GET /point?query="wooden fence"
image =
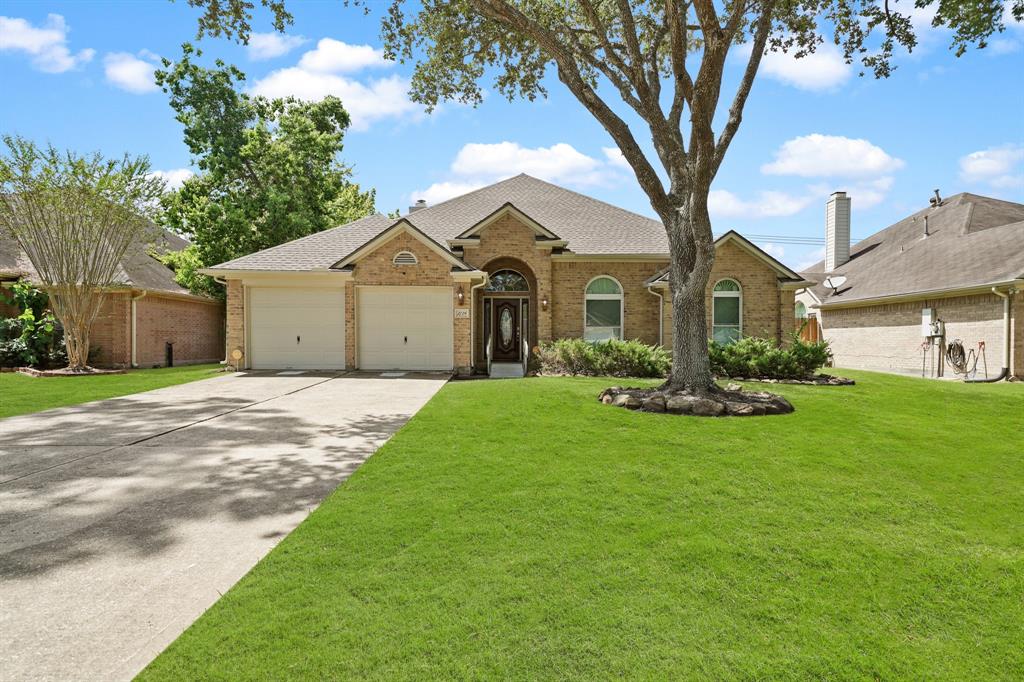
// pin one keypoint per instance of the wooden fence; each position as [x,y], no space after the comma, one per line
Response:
[810,330]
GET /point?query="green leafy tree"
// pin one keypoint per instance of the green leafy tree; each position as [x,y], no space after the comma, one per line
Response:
[75,217]
[662,61]
[269,168]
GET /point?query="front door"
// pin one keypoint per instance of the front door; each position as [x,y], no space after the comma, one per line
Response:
[506,330]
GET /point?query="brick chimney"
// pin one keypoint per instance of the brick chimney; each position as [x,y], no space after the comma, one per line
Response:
[837,231]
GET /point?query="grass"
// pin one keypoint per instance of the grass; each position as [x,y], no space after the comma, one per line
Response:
[520,530]
[20,394]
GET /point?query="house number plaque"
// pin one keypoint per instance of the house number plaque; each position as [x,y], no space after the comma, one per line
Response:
[461,313]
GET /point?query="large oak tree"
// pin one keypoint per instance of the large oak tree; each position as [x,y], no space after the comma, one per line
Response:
[663,60]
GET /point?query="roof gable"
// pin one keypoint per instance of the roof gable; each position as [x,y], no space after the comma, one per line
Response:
[732,237]
[508,209]
[402,226]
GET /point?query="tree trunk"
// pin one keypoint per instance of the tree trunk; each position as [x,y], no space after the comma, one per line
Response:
[692,253]
[76,307]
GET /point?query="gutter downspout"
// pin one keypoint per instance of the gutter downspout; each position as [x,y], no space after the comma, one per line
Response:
[661,315]
[1005,371]
[472,321]
[135,328]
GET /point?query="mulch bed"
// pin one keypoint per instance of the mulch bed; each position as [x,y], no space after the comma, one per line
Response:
[65,372]
[816,380]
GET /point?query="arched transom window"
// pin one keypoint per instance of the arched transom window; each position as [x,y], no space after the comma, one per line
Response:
[800,310]
[727,311]
[602,312]
[507,281]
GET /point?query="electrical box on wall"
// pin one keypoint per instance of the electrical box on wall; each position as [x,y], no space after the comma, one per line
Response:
[927,317]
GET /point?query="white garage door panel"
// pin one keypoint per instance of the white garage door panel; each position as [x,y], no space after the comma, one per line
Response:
[405,328]
[300,328]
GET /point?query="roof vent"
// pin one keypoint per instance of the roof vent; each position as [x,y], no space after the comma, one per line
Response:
[936,200]
[405,258]
[420,203]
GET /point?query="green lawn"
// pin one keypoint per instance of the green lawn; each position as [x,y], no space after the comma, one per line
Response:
[20,394]
[520,529]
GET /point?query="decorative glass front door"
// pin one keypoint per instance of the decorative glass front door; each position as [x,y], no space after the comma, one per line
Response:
[507,330]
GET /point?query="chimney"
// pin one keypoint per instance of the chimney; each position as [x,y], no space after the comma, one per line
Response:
[837,231]
[420,203]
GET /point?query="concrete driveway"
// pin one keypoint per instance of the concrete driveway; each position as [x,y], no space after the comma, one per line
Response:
[122,520]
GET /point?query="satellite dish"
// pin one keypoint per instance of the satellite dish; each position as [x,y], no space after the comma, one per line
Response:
[834,282]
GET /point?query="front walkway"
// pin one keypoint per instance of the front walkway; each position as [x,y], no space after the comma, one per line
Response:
[121,521]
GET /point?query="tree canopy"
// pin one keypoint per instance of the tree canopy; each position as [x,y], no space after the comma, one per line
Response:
[269,169]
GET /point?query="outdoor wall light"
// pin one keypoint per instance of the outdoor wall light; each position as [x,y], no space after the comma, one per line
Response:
[460,295]
[544,303]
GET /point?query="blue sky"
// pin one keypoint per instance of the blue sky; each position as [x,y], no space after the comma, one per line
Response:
[79,75]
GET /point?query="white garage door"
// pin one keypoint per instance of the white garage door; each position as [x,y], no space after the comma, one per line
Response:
[405,328]
[300,328]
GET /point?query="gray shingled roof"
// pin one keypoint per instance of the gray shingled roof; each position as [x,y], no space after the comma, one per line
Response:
[973,240]
[588,225]
[137,269]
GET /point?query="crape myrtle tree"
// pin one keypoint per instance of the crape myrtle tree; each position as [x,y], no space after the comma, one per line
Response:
[269,170]
[75,216]
[662,60]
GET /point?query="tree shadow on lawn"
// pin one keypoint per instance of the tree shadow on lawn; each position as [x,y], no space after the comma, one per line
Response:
[131,499]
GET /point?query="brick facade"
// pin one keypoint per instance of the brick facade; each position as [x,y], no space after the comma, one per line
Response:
[110,343]
[235,316]
[888,337]
[766,309]
[378,269]
[196,328]
[509,243]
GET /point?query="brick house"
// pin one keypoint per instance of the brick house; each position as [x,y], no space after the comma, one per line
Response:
[139,318]
[473,283]
[959,262]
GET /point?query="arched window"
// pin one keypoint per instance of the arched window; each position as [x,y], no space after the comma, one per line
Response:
[800,310]
[726,311]
[602,310]
[405,258]
[507,281]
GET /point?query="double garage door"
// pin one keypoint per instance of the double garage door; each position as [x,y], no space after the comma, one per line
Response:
[304,328]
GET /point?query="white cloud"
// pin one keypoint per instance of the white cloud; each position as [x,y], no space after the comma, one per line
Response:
[768,204]
[270,45]
[128,72]
[334,56]
[819,155]
[366,103]
[810,259]
[442,191]
[47,44]
[560,163]
[1002,167]
[615,158]
[478,164]
[174,178]
[773,250]
[822,70]
[318,74]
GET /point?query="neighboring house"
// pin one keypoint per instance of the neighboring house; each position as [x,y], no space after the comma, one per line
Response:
[481,279]
[148,311]
[959,261]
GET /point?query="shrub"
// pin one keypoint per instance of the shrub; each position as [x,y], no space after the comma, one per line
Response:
[35,338]
[765,359]
[603,358]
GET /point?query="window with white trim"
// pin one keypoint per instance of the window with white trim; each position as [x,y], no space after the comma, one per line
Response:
[726,311]
[602,309]
[405,258]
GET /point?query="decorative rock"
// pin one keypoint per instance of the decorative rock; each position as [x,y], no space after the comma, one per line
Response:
[733,387]
[654,403]
[606,398]
[705,407]
[630,402]
[740,409]
[680,404]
